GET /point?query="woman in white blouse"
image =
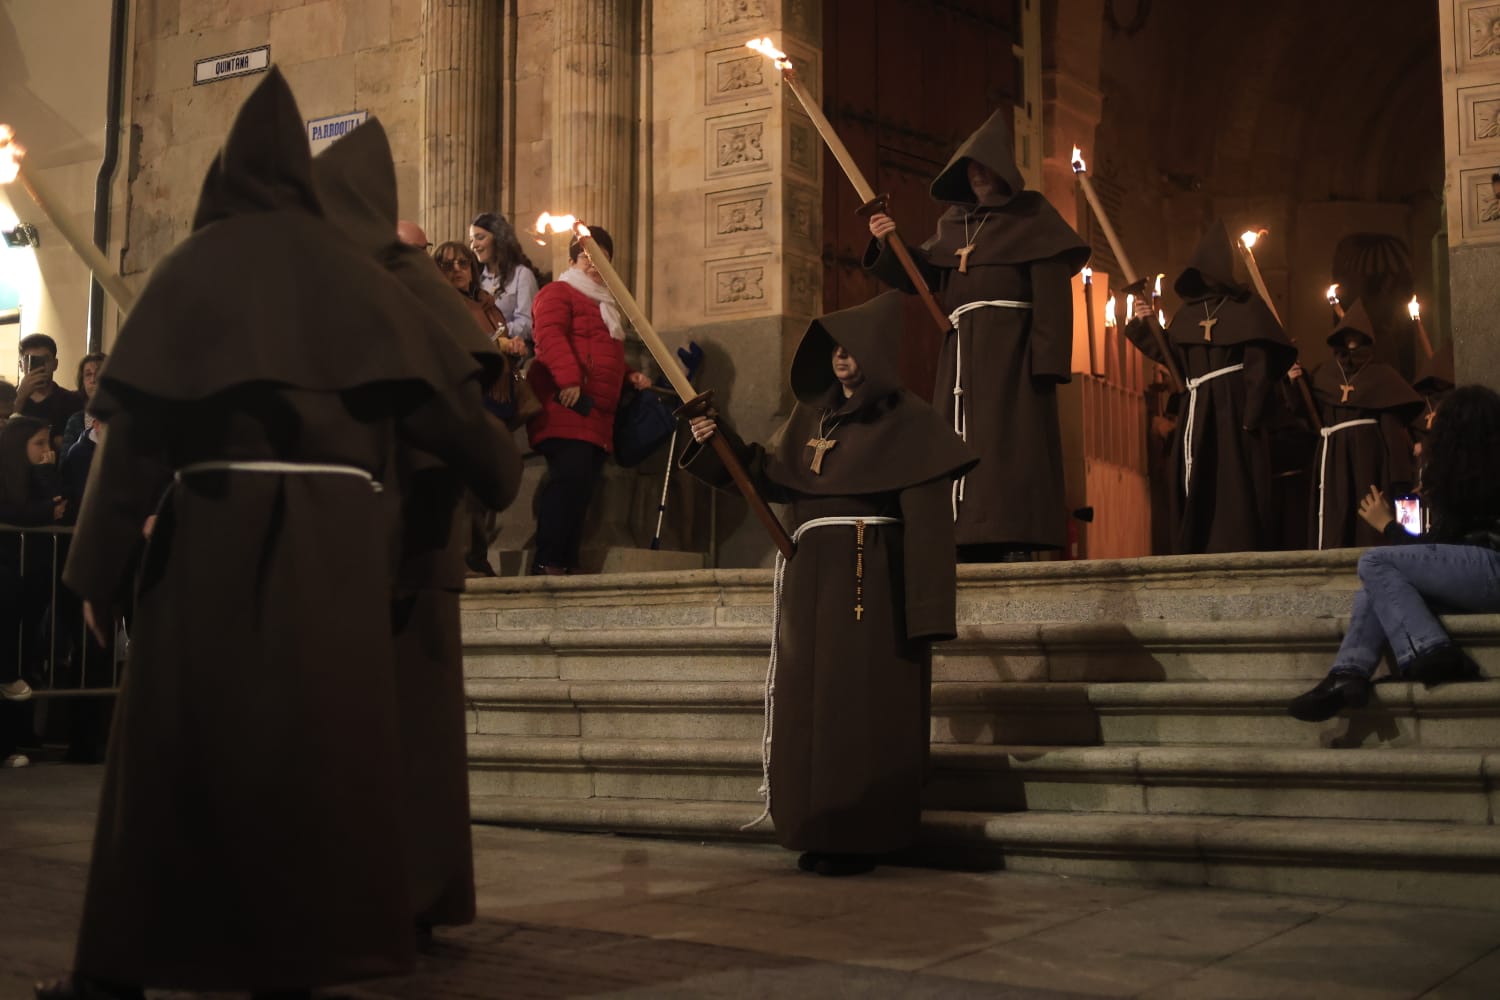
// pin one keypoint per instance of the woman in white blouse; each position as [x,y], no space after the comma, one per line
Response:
[506,272]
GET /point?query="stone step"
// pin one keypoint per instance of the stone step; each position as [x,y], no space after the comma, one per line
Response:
[1447,786]
[1381,860]
[1243,649]
[1242,713]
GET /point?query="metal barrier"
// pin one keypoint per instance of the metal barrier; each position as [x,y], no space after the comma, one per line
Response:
[54,651]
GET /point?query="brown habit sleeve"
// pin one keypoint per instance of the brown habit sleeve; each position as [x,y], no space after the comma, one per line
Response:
[931,574]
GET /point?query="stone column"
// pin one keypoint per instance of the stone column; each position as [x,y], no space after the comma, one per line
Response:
[1471,95]
[461,127]
[594,118]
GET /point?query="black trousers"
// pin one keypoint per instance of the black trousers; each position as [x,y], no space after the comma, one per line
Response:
[562,503]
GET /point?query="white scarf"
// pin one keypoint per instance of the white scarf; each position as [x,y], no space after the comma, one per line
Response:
[600,294]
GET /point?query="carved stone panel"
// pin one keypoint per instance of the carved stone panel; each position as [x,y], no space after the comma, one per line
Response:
[1478,119]
[1481,204]
[804,286]
[804,149]
[736,144]
[1477,29]
[737,285]
[736,74]
[737,215]
[803,217]
[737,15]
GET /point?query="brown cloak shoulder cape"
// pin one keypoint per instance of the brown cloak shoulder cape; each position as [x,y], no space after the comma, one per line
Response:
[1366,455]
[849,743]
[1006,361]
[247,838]
[357,186]
[1228,505]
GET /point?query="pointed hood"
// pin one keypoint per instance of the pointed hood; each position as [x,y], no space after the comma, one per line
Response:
[888,438]
[871,332]
[265,163]
[992,145]
[1356,320]
[1436,374]
[356,184]
[266,290]
[1210,272]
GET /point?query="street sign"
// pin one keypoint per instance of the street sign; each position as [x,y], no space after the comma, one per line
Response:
[324,132]
[216,68]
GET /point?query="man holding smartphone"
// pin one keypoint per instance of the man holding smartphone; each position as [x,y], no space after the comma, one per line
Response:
[38,394]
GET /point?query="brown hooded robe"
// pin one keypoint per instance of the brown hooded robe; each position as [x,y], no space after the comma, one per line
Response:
[357,187]
[850,717]
[1359,457]
[248,837]
[1007,361]
[1229,504]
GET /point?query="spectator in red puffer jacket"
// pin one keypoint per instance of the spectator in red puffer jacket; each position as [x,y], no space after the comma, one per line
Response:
[578,375]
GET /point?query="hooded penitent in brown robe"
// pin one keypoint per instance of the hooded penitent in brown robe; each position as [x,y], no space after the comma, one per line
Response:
[248,835]
[357,187]
[1435,382]
[1348,387]
[1007,360]
[849,721]
[1221,495]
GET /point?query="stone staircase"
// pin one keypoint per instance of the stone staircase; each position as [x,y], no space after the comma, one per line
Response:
[1118,718]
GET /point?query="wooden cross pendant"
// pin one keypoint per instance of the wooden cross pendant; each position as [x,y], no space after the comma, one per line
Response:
[1208,327]
[1346,390]
[819,445]
[859,612]
[963,258]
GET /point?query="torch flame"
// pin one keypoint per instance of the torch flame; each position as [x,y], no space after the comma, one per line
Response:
[768,49]
[1250,237]
[1078,165]
[1415,308]
[1156,290]
[10,155]
[1333,294]
[1161,317]
[1088,275]
[1109,312]
[1129,307]
[548,223]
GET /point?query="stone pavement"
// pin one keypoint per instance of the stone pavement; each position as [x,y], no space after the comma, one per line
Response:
[583,915]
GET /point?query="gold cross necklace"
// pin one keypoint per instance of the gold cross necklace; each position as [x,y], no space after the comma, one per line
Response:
[969,241]
[823,443]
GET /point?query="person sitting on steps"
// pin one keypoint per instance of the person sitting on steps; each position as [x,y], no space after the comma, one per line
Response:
[1455,565]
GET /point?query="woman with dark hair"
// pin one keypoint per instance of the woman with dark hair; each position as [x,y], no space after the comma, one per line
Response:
[1455,565]
[28,498]
[507,274]
[578,375]
[88,381]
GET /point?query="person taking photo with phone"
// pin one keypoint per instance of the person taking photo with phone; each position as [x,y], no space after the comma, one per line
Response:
[1453,567]
[38,394]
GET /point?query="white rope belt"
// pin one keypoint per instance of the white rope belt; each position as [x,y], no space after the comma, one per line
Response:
[769,699]
[1187,433]
[960,418]
[279,469]
[1327,433]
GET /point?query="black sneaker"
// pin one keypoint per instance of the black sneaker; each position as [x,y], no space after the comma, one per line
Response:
[841,865]
[1441,665]
[1332,695]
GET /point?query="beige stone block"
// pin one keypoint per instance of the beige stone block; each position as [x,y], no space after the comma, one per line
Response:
[406,20]
[367,25]
[548,722]
[509,665]
[679,26]
[205,112]
[409,189]
[307,33]
[156,19]
[536,46]
[518,782]
[741,723]
[1246,799]
[324,86]
[679,785]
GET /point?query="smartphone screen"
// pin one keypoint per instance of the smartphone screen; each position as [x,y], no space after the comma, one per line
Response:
[1409,513]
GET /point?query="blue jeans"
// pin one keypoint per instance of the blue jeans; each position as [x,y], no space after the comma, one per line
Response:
[1392,606]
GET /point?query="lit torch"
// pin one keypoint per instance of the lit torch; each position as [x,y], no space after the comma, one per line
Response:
[1109,314]
[109,279]
[694,403]
[1248,239]
[1333,300]
[870,202]
[1088,311]
[1415,309]
[1081,170]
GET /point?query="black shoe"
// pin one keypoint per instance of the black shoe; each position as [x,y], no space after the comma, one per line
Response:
[1441,665]
[79,988]
[808,861]
[1333,694]
[841,865]
[479,565]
